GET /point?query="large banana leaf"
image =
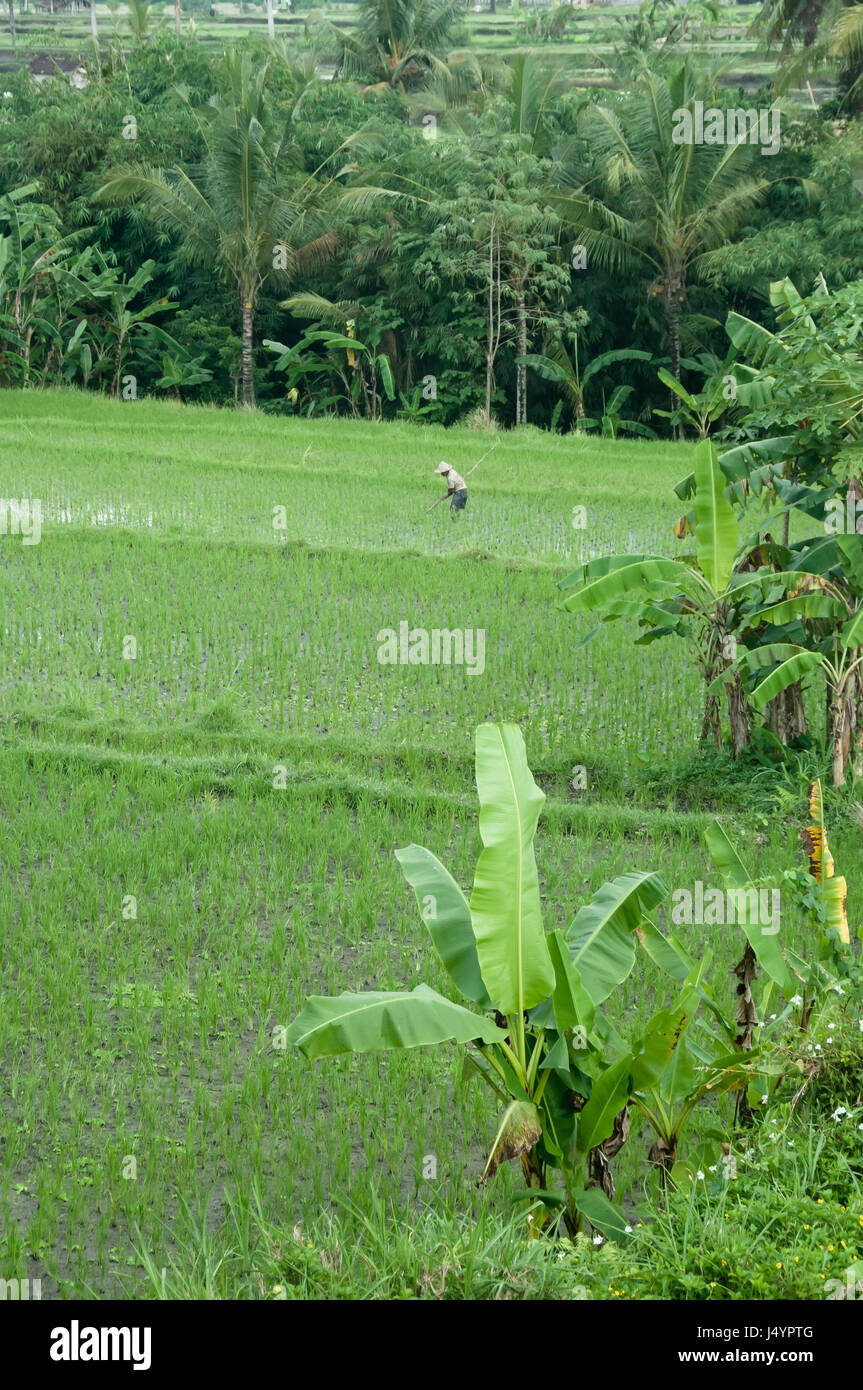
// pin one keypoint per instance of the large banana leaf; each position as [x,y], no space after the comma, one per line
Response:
[725,857]
[835,894]
[571,1002]
[609,1095]
[757,343]
[601,1213]
[655,1048]
[679,1077]
[383,1020]
[795,662]
[600,565]
[814,838]
[679,390]
[445,911]
[771,582]
[653,579]
[850,546]
[757,462]
[505,904]
[602,934]
[665,951]
[715,523]
[807,605]
[785,297]
[766,945]
[852,631]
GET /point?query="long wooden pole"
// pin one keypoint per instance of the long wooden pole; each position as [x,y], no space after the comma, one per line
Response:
[467,475]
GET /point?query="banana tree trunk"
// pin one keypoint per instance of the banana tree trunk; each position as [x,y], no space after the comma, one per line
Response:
[599,1172]
[738,715]
[663,1155]
[248,372]
[94,26]
[177,18]
[534,1177]
[711,725]
[786,716]
[271,23]
[842,729]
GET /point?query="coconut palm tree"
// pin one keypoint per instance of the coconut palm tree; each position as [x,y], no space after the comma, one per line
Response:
[643,202]
[399,43]
[242,211]
[791,21]
[816,34]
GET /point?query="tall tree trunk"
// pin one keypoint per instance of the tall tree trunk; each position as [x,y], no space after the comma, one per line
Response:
[248,373]
[521,369]
[271,23]
[177,18]
[493,319]
[118,365]
[94,26]
[673,289]
[12,22]
[672,295]
[811,19]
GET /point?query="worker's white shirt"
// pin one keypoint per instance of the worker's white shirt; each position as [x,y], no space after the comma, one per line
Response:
[455,480]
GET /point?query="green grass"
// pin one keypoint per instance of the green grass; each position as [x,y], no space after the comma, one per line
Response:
[150,1031]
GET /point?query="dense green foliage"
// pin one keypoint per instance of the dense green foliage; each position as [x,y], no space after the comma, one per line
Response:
[466,215]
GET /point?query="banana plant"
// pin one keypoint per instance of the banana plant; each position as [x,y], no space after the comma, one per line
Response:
[803,982]
[108,306]
[562,367]
[825,597]
[531,1001]
[672,1073]
[799,389]
[611,423]
[298,362]
[363,362]
[699,410]
[695,597]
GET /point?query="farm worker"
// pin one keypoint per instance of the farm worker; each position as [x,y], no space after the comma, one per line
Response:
[457,488]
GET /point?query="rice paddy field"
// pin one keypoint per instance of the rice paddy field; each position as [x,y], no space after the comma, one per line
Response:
[206,770]
[584,44]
